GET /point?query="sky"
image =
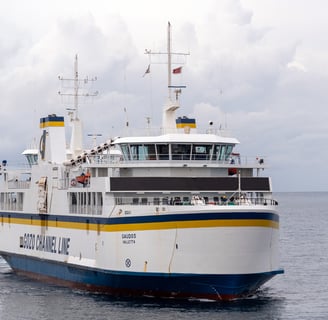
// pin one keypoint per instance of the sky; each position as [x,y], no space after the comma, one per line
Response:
[258,68]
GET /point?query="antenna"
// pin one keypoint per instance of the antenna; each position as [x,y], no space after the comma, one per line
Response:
[94,137]
[77,86]
[225,114]
[126,117]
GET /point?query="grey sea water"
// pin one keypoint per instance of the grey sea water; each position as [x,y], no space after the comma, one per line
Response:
[300,293]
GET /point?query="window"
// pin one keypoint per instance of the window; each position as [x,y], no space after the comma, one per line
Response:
[125,151]
[181,151]
[150,151]
[102,172]
[216,152]
[142,152]
[201,152]
[228,151]
[163,151]
[222,152]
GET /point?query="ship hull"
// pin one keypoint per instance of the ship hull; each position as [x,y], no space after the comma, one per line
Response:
[221,254]
[139,284]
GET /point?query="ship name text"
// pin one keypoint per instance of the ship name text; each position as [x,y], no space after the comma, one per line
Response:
[46,243]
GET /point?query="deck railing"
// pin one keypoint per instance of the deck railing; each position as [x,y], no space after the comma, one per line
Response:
[19,184]
[176,201]
[180,159]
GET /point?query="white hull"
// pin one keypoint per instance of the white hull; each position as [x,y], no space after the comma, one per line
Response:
[174,245]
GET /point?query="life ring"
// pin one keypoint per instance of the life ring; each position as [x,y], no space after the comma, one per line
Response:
[73,182]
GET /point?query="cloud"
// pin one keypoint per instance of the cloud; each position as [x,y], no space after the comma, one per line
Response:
[296,65]
[253,68]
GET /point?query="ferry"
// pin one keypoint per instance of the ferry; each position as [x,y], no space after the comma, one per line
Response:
[177,215]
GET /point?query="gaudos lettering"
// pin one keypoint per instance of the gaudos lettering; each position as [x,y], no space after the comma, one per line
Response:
[129,238]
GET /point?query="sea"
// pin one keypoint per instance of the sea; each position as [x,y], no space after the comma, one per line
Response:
[300,293]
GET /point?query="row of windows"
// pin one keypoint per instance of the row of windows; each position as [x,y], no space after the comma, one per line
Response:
[176,200]
[11,201]
[232,198]
[85,202]
[176,151]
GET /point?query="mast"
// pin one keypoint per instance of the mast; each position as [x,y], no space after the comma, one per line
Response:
[172,104]
[76,88]
[169,59]
[76,144]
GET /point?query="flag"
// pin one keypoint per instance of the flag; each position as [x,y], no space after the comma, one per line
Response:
[147,70]
[177,70]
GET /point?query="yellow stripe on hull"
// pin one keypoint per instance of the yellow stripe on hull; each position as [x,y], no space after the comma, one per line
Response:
[148,226]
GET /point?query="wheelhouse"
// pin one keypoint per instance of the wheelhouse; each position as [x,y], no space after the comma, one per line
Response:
[175,149]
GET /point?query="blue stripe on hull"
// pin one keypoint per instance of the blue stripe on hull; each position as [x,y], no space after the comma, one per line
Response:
[225,215]
[213,287]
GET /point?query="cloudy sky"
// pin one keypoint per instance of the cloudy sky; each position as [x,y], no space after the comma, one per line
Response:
[257,67]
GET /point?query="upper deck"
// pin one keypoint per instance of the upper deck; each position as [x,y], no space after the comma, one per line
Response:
[171,150]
